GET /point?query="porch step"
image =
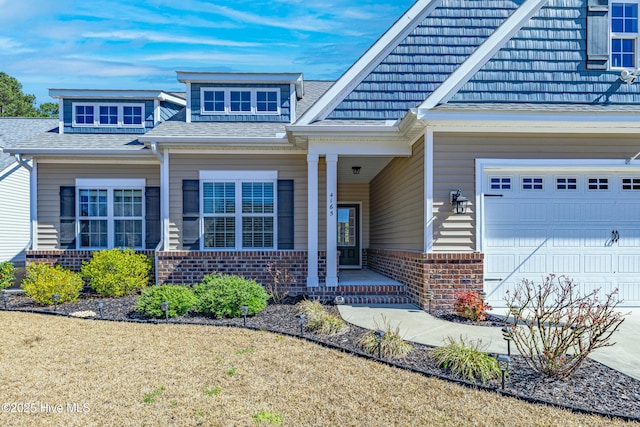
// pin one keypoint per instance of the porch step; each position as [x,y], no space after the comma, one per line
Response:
[362,294]
[376,299]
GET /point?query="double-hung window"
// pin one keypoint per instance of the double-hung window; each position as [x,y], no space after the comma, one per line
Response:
[239,101]
[110,213]
[624,34]
[107,115]
[238,214]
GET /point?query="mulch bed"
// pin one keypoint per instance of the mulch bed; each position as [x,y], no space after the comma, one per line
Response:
[594,387]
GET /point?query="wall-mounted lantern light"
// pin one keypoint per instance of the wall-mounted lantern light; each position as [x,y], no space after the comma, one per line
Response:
[356,170]
[458,202]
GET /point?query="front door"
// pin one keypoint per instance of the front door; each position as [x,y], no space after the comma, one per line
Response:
[349,235]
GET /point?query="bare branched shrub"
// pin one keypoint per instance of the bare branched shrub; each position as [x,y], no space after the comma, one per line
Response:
[280,281]
[555,327]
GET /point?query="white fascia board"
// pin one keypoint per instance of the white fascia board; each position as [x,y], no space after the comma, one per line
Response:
[360,148]
[521,122]
[111,182]
[244,78]
[370,60]
[89,153]
[345,130]
[233,175]
[483,53]
[215,140]
[112,94]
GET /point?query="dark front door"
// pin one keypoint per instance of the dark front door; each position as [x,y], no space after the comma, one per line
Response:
[349,235]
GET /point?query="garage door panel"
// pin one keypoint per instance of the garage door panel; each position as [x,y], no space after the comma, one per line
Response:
[629,291]
[567,212]
[565,263]
[533,264]
[501,263]
[601,287]
[629,263]
[566,238]
[597,212]
[628,212]
[597,263]
[533,238]
[532,213]
[597,238]
[501,238]
[629,238]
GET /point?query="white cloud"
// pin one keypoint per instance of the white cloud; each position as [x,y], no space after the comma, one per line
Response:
[9,46]
[163,38]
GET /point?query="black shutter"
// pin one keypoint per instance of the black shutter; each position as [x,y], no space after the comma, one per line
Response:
[67,236]
[598,38]
[191,214]
[285,214]
[152,219]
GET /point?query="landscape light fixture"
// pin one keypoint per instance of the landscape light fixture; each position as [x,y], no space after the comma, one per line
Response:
[244,310]
[458,202]
[379,334]
[356,170]
[301,319]
[506,334]
[503,364]
[56,299]
[100,306]
[430,295]
[482,295]
[5,299]
[164,306]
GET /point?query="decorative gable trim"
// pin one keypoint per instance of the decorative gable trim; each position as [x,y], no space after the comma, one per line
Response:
[482,54]
[369,61]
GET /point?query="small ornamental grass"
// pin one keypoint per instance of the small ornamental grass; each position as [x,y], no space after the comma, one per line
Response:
[7,274]
[392,344]
[469,305]
[181,299]
[319,320]
[222,296]
[43,281]
[117,272]
[467,359]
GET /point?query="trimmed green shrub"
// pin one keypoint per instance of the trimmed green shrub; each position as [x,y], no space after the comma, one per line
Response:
[223,295]
[117,272]
[7,274]
[43,281]
[181,299]
[467,360]
[318,320]
[392,344]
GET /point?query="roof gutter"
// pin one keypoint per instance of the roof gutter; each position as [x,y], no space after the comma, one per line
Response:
[154,150]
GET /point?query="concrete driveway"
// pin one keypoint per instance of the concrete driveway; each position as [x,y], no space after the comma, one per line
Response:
[418,326]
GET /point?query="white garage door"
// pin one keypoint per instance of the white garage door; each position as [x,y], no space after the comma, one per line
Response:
[585,225]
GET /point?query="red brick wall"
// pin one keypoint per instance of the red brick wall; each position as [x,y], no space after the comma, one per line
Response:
[441,273]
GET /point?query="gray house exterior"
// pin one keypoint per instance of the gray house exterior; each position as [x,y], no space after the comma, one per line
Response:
[525,109]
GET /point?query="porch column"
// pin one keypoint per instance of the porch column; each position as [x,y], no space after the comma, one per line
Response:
[312,220]
[332,220]
[164,199]
[33,203]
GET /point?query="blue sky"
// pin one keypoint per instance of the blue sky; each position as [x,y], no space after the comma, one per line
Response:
[96,44]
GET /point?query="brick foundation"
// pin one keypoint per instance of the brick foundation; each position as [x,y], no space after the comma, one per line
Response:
[441,273]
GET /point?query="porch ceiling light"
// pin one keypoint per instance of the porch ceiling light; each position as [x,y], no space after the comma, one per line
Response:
[356,170]
[458,202]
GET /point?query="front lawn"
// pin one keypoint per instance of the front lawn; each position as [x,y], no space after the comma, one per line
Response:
[73,372]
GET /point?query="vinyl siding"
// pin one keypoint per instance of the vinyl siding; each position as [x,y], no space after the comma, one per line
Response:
[397,204]
[14,213]
[348,193]
[454,168]
[183,166]
[51,176]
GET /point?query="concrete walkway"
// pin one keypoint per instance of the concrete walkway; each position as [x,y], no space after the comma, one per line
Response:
[418,326]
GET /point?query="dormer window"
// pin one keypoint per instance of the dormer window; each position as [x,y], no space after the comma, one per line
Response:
[107,115]
[239,101]
[624,34]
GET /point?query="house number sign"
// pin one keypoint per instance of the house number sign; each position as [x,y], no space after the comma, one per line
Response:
[331,206]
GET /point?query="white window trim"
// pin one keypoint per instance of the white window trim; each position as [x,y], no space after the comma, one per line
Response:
[110,185]
[632,36]
[96,114]
[227,101]
[238,178]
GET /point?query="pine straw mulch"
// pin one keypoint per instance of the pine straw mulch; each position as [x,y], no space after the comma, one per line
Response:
[304,383]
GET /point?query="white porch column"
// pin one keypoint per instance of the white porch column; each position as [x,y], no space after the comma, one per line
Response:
[428,191]
[33,203]
[332,219]
[312,220]
[164,199]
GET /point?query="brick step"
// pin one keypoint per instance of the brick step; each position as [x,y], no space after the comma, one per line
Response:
[395,289]
[376,299]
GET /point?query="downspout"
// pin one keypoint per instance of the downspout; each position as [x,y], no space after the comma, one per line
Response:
[33,185]
[161,244]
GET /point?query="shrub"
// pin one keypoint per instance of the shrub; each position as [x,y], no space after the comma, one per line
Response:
[467,360]
[470,306]
[555,327]
[43,281]
[7,274]
[392,344]
[181,299]
[280,283]
[318,320]
[223,295]
[117,272]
